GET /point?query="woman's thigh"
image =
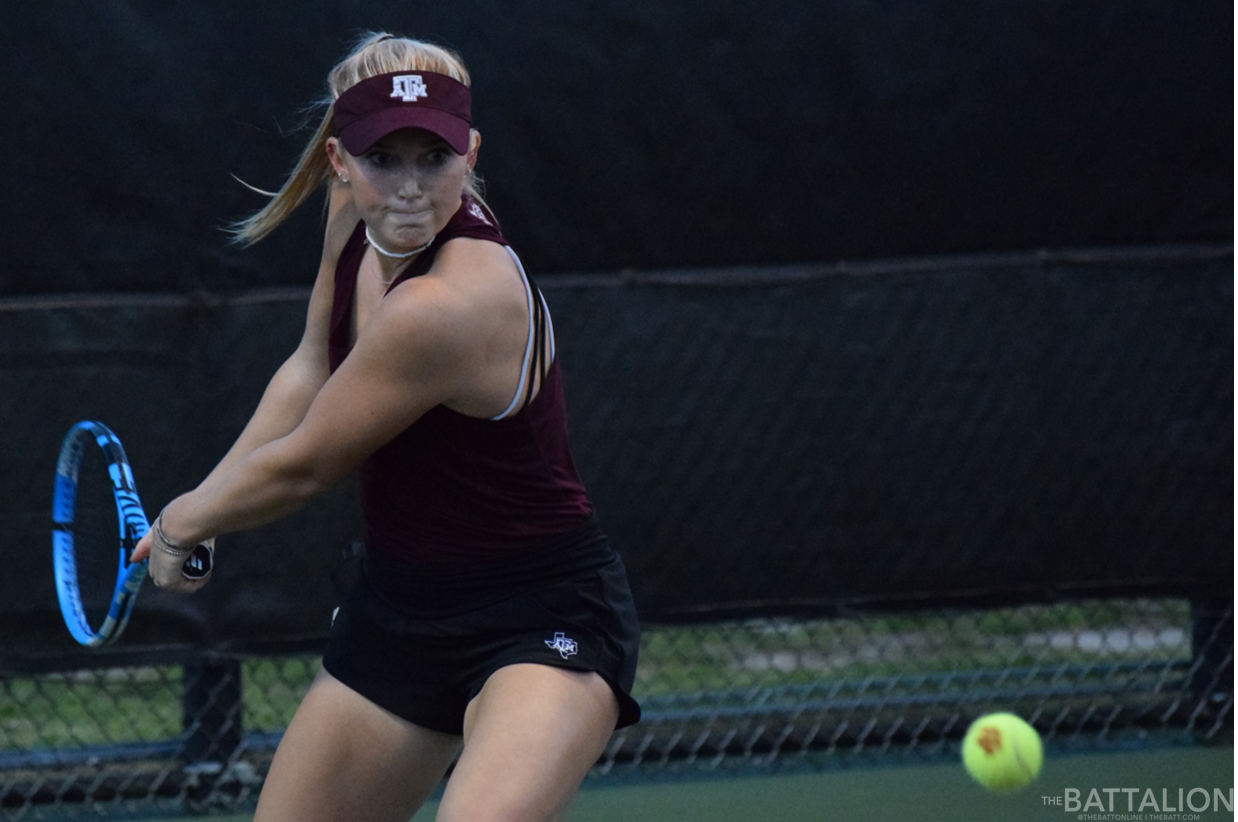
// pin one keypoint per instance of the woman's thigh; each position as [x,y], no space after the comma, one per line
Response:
[530,738]
[345,758]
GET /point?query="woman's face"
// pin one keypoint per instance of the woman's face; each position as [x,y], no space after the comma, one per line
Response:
[406,186]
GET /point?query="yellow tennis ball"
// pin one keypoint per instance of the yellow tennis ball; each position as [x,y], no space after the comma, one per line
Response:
[1002,752]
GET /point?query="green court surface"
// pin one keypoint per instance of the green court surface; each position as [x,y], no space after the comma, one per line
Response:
[940,792]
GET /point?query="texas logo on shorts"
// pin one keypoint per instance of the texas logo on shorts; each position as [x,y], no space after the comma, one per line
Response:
[566,647]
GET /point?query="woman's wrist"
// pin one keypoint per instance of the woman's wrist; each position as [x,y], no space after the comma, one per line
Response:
[167,540]
[166,545]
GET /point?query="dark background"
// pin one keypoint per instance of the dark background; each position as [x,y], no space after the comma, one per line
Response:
[860,305]
[634,134]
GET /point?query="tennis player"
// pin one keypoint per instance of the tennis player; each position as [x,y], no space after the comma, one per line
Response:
[494,621]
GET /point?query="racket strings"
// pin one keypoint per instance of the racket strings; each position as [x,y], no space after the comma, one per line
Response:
[96,536]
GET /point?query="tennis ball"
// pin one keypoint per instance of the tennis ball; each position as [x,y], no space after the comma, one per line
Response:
[1002,752]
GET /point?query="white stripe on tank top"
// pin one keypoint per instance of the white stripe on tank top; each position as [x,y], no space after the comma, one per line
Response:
[528,347]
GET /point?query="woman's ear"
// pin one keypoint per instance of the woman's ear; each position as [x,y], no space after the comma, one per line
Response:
[474,144]
[335,154]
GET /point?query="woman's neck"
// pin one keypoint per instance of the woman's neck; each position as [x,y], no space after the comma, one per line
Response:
[390,264]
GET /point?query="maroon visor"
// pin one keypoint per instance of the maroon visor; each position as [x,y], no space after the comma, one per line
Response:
[379,105]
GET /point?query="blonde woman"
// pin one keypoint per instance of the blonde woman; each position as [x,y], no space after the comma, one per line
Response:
[494,622]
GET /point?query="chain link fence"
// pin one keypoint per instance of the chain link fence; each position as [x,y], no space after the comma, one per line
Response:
[764,694]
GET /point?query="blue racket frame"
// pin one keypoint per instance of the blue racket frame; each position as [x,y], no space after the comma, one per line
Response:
[133,526]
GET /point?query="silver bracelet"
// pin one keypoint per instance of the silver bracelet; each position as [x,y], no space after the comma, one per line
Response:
[166,545]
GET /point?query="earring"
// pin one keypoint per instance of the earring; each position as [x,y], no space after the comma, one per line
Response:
[343,179]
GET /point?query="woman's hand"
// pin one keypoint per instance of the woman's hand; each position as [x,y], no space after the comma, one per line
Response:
[165,568]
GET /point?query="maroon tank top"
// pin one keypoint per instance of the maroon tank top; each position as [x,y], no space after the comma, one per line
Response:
[455,488]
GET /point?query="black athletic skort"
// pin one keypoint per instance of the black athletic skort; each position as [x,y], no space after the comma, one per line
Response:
[421,641]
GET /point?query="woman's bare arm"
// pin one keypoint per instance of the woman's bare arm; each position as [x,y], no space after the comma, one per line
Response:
[411,358]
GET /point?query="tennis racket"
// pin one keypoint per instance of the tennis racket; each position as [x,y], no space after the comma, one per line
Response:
[132,527]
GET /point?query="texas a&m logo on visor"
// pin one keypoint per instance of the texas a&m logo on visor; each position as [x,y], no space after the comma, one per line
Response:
[408,87]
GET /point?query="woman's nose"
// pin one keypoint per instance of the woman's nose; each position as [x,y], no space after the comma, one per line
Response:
[410,186]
